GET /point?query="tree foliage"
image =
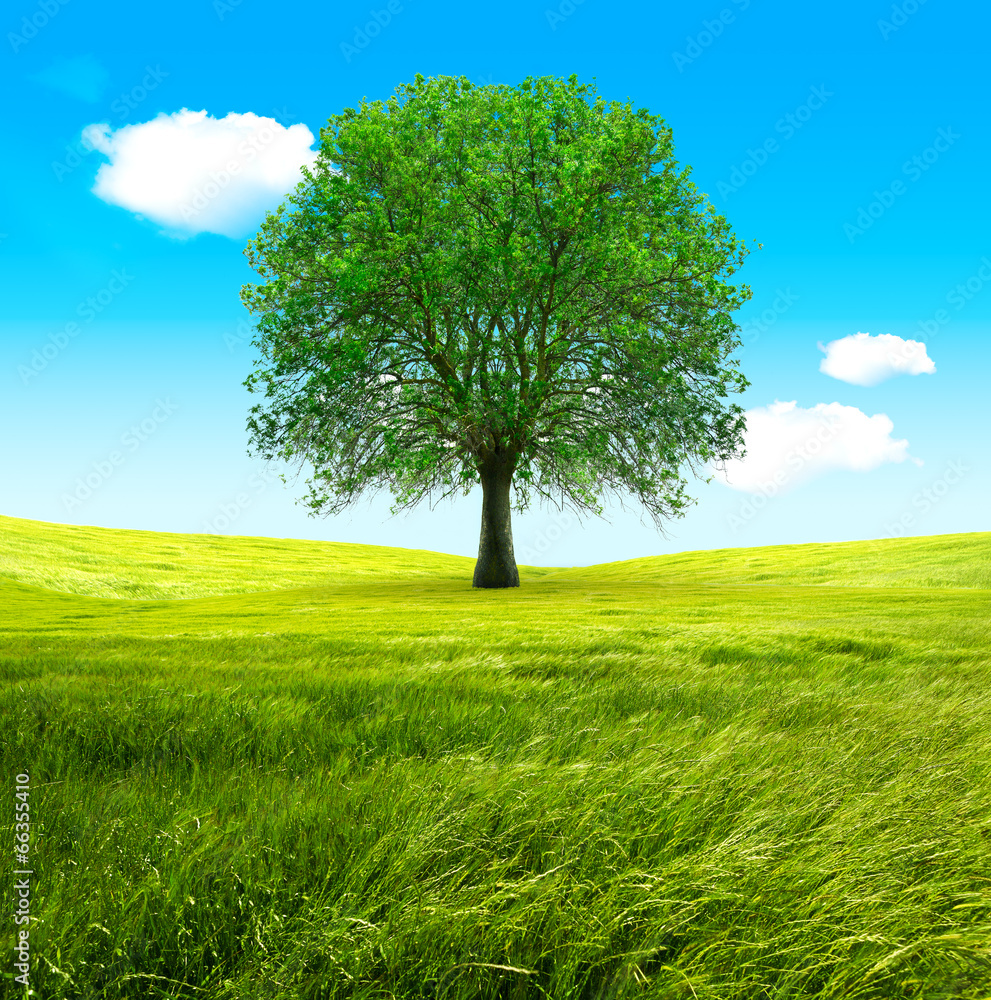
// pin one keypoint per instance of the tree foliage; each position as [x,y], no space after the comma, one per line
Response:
[472,272]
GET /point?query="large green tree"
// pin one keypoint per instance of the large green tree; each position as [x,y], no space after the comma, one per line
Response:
[506,285]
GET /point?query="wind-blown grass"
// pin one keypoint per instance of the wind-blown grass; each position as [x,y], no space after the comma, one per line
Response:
[655,780]
[105,562]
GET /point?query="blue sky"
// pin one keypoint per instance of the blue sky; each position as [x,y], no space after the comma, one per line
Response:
[850,139]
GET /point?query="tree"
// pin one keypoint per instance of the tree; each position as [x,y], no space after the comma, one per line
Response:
[494,284]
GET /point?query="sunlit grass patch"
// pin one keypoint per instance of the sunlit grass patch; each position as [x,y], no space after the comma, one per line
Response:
[399,786]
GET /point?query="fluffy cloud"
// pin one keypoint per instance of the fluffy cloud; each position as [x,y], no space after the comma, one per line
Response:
[787,446]
[861,359]
[191,173]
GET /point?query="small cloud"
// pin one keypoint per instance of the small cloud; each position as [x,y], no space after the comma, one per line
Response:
[81,77]
[861,359]
[192,173]
[787,446]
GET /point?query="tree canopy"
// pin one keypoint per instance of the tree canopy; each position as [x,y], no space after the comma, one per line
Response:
[507,285]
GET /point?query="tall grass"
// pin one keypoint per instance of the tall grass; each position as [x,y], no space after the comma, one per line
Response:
[603,784]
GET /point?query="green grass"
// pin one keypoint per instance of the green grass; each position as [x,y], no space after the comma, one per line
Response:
[339,771]
[103,562]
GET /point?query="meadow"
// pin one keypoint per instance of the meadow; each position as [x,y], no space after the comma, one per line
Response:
[287,769]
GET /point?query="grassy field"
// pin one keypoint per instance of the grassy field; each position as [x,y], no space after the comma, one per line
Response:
[286,769]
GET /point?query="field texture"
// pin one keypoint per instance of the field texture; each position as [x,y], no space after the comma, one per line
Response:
[285,769]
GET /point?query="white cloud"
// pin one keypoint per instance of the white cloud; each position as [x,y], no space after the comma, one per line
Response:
[787,446]
[191,173]
[861,359]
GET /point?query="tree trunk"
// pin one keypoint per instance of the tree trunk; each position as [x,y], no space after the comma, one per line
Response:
[496,566]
